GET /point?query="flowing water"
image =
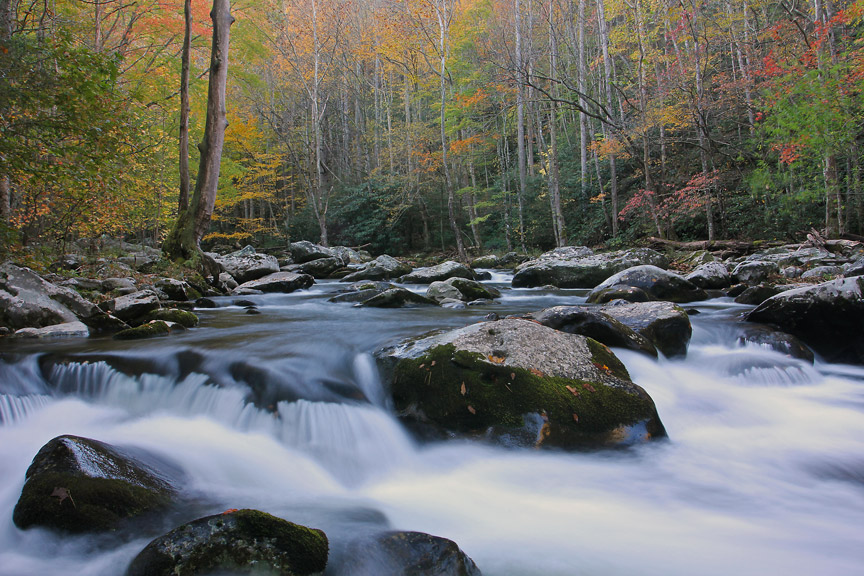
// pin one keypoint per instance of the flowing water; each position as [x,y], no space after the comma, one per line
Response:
[763,471]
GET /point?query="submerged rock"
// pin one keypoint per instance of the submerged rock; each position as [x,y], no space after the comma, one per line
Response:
[82,485]
[407,554]
[778,341]
[827,316]
[579,267]
[659,284]
[148,330]
[236,542]
[397,298]
[520,383]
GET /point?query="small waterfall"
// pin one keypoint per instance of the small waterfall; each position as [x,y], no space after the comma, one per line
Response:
[15,408]
[352,441]
[368,379]
[754,365]
[21,378]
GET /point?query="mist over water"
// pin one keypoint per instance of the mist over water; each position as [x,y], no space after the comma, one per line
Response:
[763,471]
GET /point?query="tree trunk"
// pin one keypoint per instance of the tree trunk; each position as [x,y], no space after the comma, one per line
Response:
[607,87]
[8,21]
[183,202]
[183,241]
[583,118]
[520,126]
[554,179]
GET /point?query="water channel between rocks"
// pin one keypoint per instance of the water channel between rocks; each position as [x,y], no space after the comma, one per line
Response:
[763,471]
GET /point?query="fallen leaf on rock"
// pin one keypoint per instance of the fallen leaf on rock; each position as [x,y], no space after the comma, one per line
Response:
[495,359]
[573,390]
[464,390]
[575,417]
[471,410]
[62,494]
[537,372]
[229,511]
[512,375]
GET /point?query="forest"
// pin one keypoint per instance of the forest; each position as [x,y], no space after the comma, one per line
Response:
[458,126]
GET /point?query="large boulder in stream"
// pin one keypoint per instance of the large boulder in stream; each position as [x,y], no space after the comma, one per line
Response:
[383,267]
[82,485]
[593,323]
[659,284]
[443,271]
[579,267]
[397,297]
[461,289]
[827,316]
[131,307]
[397,553]
[664,324]
[277,282]
[246,264]
[519,383]
[710,275]
[235,542]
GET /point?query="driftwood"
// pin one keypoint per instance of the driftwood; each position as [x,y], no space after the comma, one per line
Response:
[737,246]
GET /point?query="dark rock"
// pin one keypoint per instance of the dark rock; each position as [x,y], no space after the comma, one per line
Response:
[246,264]
[854,268]
[384,267]
[322,267]
[823,272]
[277,282]
[244,303]
[82,485]
[407,554]
[361,291]
[132,306]
[710,275]
[205,303]
[397,298]
[659,284]
[461,289]
[619,292]
[579,267]
[757,294]
[520,383]
[666,325]
[149,330]
[827,316]
[241,541]
[253,311]
[68,262]
[175,289]
[736,290]
[779,341]
[594,324]
[443,271]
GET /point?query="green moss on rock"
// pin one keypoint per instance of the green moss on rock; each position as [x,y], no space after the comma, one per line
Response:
[241,541]
[183,317]
[149,330]
[466,392]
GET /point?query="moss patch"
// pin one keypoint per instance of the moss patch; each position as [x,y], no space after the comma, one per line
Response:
[467,392]
[149,330]
[183,317]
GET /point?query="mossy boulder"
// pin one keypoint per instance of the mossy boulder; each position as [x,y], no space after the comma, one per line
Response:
[177,316]
[443,271]
[148,330]
[237,542]
[520,383]
[397,553]
[461,289]
[383,267]
[361,291]
[82,485]
[659,284]
[664,324]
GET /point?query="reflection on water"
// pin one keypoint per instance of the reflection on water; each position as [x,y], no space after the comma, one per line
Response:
[763,472]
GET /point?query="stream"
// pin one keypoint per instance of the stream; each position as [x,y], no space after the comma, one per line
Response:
[763,471]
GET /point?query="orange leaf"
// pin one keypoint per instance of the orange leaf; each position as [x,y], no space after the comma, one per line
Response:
[495,359]
[536,372]
[575,417]
[464,390]
[472,410]
[229,511]
[573,390]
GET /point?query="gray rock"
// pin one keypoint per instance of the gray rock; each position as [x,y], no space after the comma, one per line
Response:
[827,316]
[710,275]
[305,251]
[175,289]
[440,291]
[246,264]
[109,284]
[351,256]
[488,261]
[443,271]
[132,306]
[791,272]
[397,298]
[791,256]
[593,323]
[276,282]
[83,284]
[619,292]
[659,284]
[666,325]
[140,261]
[75,329]
[384,267]
[578,267]
[240,541]
[29,301]
[755,295]
[755,271]
[698,258]
[227,281]
[361,291]
[407,554]
[854,268]
[82,485]
[452,304]
[823,272]
[519,383]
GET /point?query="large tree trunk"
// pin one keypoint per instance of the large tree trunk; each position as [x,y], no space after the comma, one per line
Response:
[183,202]
[8,21]
[607,92]
[520,125]
[192,223]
